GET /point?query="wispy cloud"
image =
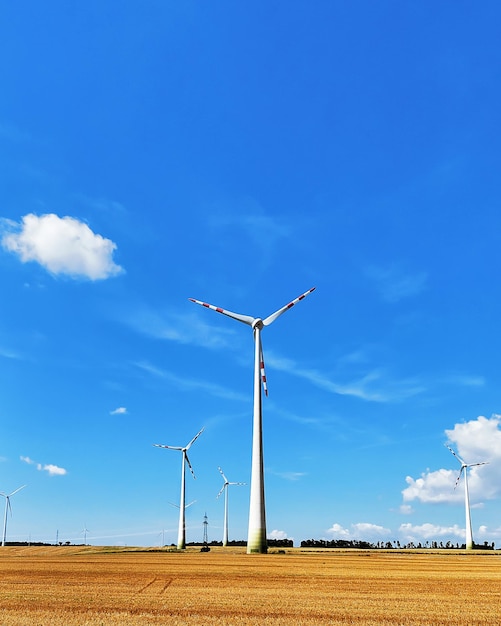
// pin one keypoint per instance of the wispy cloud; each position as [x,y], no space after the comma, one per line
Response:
[62,245]
[186,328]
[406,509]
[190,384]
[394,284]
[103,204]
[52,470]
[374,386]
[9,354]
[263,230]
[465,380]
[292,476]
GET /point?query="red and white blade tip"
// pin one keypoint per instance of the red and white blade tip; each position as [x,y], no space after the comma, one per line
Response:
[271,318]
[195,438]
[246,319]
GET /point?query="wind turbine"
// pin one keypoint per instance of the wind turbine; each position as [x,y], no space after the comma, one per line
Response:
[84,533]
[181,535]
[225,489]
[7,508]
[465,466]
[256,540]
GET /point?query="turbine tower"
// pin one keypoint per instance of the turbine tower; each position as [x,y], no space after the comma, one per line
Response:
[181,534]
[225,489]
[8,508]
[256,540]
[465,466]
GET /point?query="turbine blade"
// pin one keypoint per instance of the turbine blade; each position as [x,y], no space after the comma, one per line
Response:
[237,483]
[221,490]
[160,445]
[261,366]
[459,476]
[189,464]
[195,438]
[475,464]
[271,318]
[18,489]
[187,505]
[456,455]
[222,474]
[246,319]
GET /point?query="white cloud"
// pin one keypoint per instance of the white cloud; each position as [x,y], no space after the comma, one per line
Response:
[338,531]
[278,534]
[437,486]
[121,410]
[484,533]
[476,441]
[52,470]
[408,532]
[62,245]
[361,531]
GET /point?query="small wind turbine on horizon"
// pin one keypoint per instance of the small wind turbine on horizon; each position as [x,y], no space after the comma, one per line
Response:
[256,540]
[181,535]
[225,489]
[7,509]
[84,533]
[464,467]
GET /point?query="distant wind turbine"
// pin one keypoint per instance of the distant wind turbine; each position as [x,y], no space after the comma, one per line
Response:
[8,508]
[185,506]
[181,535]
[225,489]
[256,540]
[465,466]
[84,533]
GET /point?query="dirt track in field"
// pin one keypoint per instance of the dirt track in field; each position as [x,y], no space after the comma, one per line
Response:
[96,587]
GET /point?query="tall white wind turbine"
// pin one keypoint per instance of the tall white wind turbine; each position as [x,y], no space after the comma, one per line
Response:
[181,535]
[464,467]
[225,489]
[256,541]
[8,508]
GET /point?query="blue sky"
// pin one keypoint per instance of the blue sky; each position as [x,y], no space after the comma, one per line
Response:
[241,154]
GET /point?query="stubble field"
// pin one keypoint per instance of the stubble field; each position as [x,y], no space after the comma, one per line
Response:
[71,586]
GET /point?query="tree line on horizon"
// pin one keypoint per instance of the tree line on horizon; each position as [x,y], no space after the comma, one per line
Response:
[391,545]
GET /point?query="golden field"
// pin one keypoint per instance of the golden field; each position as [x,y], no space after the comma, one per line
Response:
[87,586]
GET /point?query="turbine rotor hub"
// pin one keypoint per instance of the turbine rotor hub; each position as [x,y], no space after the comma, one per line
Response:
[257,323]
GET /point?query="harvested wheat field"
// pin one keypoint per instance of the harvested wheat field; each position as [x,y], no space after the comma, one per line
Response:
[70,586]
